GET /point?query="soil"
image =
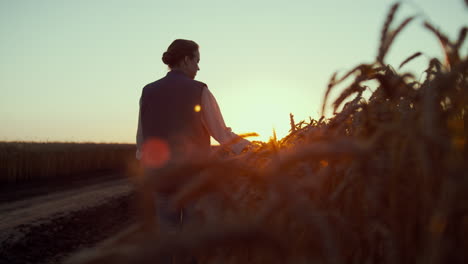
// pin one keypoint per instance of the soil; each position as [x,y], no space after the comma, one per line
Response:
[49,223]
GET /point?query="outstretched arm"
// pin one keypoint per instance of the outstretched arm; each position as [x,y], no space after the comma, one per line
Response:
[214,123]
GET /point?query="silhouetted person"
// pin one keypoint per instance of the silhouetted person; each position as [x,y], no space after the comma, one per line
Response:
[177,117]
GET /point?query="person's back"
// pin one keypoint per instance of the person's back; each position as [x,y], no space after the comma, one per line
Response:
[171,112]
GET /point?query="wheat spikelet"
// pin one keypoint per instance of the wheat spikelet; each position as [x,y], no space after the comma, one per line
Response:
[391,37]
[330,85]
[461,38]
[365,70]
[450,50]
[353,88]
[410,58]
[293,124]
[384,33]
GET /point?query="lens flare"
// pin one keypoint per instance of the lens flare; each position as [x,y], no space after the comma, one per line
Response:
[197,108]
[323,163]
[155,153]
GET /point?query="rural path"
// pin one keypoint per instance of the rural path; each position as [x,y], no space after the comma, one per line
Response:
[40,208]
[40,228]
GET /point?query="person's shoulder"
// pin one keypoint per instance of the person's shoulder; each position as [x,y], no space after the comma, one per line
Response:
[152,84]
[200,84]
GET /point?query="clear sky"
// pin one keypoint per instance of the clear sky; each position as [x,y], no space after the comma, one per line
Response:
[73,70]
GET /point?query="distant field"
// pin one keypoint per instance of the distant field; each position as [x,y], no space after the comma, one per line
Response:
[21,161]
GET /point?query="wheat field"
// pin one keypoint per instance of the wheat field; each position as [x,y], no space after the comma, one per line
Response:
[383,181]
[36,161]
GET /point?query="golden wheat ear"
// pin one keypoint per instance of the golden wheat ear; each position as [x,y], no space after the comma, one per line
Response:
[249,134]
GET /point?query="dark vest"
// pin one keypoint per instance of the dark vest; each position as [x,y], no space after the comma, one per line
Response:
[168,112]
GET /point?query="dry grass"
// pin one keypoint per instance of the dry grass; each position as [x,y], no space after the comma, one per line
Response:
[383,181]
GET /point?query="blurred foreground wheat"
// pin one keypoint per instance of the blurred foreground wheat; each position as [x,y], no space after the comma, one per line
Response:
[383,181]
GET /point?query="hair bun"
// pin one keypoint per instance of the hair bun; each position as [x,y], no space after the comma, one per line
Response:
[167,58]
[178,50]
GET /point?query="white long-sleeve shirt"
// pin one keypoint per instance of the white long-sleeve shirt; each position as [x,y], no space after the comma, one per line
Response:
[213,121]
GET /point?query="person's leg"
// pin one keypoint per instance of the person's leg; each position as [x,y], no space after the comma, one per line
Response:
[189,221]
[169,220]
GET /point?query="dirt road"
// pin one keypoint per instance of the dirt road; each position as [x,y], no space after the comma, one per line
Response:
[47,228]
